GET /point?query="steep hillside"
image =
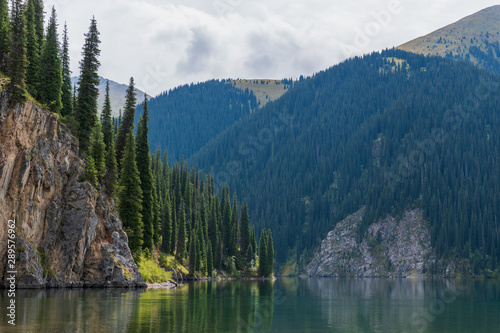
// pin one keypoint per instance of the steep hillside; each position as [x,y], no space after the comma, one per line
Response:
[66,231]
[117,92]
[184,119]
[388,131]
[475,38]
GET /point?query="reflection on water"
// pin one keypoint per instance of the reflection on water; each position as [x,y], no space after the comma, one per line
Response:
[286,305]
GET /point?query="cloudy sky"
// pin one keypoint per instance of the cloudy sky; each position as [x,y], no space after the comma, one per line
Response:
[163,44]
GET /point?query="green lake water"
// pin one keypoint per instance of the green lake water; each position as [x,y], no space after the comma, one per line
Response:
[284,305]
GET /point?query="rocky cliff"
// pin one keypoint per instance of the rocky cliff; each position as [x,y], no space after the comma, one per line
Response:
[391,247]
[67,231]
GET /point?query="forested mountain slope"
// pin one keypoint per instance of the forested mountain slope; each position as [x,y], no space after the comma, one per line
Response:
[186,118]
[475,38]
[388,131]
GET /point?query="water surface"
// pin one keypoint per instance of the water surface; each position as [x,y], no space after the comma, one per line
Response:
[285,305]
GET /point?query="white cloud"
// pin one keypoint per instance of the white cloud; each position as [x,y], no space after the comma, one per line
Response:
[164,45]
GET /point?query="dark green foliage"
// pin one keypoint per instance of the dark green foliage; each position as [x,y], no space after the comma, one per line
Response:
[90,173]
[146,175]
[66,90]
[4,34]
[17,62]
[88,87]
[107,126]
[270,253]
[210,260]
[181,232]
[186,118]
[366,134]
[130,197]
[111,177]
[167,226]
[263,258]
[126,122]
[244,229]
[192,254]
[98,152]
[39,21]
[32,49]
[50,68]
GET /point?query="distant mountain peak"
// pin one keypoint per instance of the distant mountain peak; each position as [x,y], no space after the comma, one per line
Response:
[117,92]
[475,38]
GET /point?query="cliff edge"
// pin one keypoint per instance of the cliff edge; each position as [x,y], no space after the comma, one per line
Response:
[390,248]
[67,232]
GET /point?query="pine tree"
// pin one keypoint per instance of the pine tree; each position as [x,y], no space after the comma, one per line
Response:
[181,232]
[263,265]
[90,171]
[126,122]
[167,225]
[32,49]
[111,177]
[39,21]
[98,152]
[244,229]
[144,166]
[156,216]
[50,69]
[4,34]
[192,255]
[270,254]
[17,63]
[66,90]
[210,260]
[130,196]
[88,87]
[107,126]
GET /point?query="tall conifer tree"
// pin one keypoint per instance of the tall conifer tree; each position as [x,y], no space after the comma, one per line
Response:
[107,126]
[32,49]
[130,196]
[98,152]
[144,166]
[111,176]
[244,229]
[66,90]
[50,69]
[126,122]
[263,265]
[4,34]
[88,87]
[17,57]
[181,232]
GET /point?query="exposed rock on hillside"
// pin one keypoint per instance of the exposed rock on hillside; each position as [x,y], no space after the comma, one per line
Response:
[391,248]
[67,233]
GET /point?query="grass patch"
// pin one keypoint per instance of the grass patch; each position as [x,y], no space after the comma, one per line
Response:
[152,272]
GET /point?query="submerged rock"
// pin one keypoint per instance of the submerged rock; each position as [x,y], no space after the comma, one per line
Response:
[67,231]
[390,248]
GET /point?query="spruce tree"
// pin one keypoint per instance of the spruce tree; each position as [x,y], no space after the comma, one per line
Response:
[126,122]
[270,253]
[181,232]
[192,255]
[107,126]
[111,177]
[156,216]
[4,34]
[210,260]
[39,21]
[130,197]
[90,171]
[88,87]
[263,265]
[50,69]
[17,57]
[32,49]
[167,225]
[144,166]
[244,229]
[98,152]
[66,90]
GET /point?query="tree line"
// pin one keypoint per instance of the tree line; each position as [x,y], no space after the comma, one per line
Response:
[162,207]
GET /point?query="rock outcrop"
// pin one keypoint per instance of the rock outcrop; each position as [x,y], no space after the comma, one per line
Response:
[67,231]
[391,248]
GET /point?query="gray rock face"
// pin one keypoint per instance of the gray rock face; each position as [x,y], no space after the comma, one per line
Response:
[391,248]
[67,232]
